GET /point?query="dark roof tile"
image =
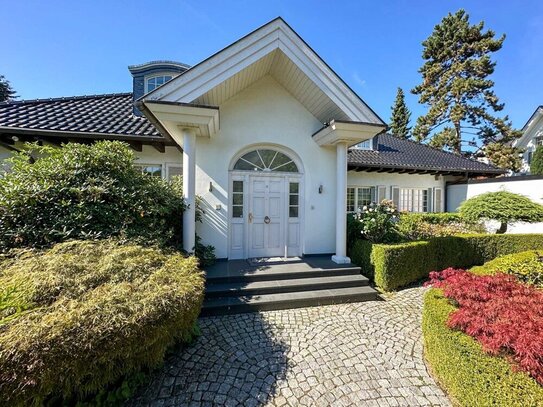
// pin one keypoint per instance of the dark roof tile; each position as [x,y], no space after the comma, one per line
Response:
[104,114]
[112,114]
[395,153]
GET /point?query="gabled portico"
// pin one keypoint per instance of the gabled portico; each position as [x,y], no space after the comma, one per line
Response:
[184,123]
[273,93]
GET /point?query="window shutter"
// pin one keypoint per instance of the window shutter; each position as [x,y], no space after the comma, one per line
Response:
[373,195]
[430,201]
[351,203]
[438,200]
[381,193]
[395,195]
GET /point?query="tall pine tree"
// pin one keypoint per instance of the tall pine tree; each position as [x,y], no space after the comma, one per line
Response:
[536,166]
[399,121]
[6,91]
[459,94]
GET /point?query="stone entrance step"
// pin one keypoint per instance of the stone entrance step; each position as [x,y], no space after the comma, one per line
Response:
[298,299]
[238,286]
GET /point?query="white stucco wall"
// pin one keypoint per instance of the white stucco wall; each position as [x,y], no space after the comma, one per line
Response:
[4,153]
[265,113]
[371,179]
[533,189]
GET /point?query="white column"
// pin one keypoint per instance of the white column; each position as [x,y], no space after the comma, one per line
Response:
[341,205]
[189,189]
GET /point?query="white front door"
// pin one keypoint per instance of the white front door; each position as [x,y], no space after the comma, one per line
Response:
[266,216]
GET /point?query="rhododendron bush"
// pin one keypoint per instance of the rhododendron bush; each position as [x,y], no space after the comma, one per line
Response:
[505,316]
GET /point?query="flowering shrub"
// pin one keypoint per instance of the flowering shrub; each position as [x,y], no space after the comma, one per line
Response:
[378,221]
[424,226]
[505,316]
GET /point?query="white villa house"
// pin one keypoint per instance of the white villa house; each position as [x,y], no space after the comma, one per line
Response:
[532,137]
[276,144]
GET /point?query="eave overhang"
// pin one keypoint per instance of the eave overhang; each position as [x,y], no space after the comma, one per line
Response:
[460,172]
[23,131]
[176,116]
[349,132]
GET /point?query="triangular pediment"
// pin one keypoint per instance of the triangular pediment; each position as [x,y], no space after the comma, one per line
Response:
[273,49]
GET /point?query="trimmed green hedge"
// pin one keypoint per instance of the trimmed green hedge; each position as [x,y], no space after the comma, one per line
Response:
[85,314]
[396,265]
[526,266]
[469,375]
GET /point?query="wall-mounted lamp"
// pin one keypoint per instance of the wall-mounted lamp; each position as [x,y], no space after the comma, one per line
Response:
[15,138]
[210,186]
[320,189]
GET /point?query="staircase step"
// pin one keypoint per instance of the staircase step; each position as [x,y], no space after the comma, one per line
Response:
[298,299]
[230,273]
[330,281]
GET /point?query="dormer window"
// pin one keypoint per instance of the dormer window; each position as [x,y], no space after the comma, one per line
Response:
[365,145]
[149,76]
[153,82]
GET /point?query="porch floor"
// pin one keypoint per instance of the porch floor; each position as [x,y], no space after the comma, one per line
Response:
[238,286]
[232,269]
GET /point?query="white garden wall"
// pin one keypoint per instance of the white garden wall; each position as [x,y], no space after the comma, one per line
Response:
[529,186]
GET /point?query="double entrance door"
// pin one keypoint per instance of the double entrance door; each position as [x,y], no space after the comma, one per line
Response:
[267,216]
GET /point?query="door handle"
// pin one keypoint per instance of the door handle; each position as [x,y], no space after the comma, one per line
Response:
[250,217]
[267,220]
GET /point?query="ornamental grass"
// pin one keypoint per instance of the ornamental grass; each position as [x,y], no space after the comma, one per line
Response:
[84,314]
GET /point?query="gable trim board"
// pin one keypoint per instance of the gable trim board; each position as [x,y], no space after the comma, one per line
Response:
[276,35]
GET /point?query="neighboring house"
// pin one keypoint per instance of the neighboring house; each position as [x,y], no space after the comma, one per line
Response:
[532,137]
[263,131]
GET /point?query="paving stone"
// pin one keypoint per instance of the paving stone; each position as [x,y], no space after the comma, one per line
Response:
[366,353]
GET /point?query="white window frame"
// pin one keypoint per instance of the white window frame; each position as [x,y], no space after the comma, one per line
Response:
[413,198]
[360,145]
[373,192]
[157,75]
[146,164]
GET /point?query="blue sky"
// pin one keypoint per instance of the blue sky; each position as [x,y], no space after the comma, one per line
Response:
[63,48]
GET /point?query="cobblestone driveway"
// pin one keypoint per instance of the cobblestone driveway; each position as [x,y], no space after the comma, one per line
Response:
[366,354]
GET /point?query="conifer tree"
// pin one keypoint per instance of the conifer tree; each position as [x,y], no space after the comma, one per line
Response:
[6,91]
[536,166]
[399,121]
[455,86]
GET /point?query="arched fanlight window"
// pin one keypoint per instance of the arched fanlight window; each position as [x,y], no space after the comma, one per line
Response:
[266,160]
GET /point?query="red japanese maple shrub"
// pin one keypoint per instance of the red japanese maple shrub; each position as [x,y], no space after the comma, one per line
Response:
[505,316]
